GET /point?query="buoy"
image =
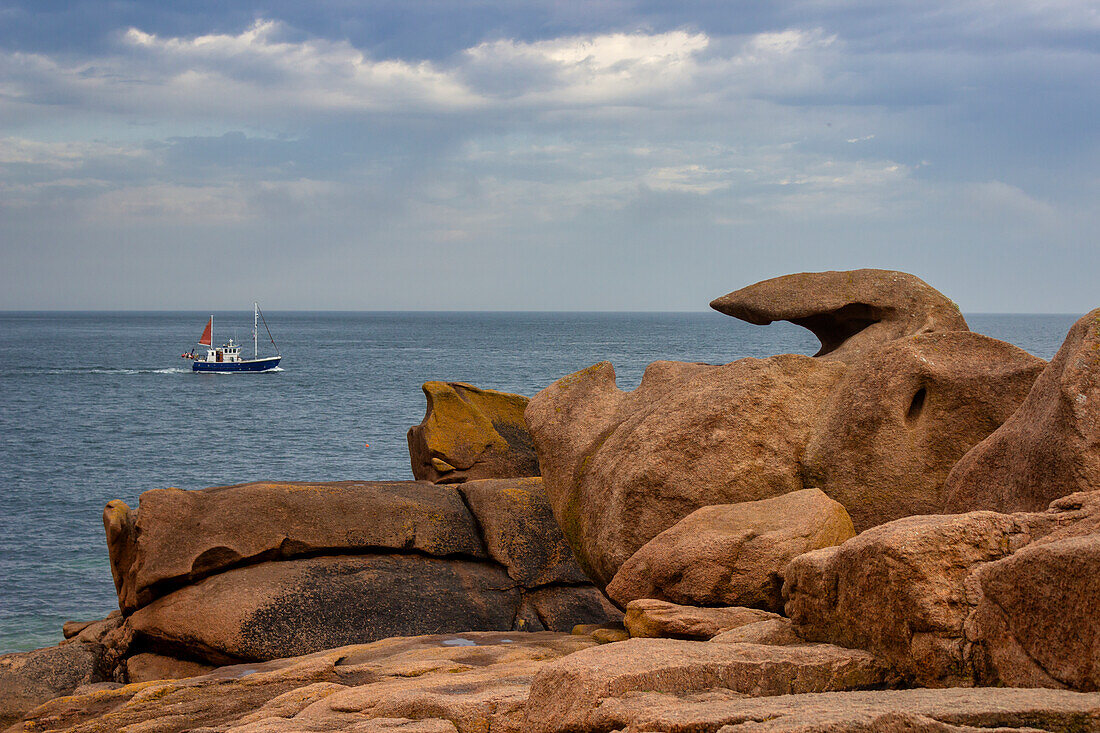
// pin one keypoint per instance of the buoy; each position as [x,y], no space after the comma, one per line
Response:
[367,444]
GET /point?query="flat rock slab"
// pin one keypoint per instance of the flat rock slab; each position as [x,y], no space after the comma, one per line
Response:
[654,618]
[177,537]
[285,609]
[881,711]
[469,682]
[567,695]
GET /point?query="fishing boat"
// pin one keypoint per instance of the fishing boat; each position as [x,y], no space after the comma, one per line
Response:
[227,358]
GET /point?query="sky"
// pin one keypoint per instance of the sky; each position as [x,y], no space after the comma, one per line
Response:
[532,155]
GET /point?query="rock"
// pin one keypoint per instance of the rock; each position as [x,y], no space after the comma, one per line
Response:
[621,467]
[567,694]
[732,554]
[868,711]
[852,313]
[902,417]
[520,531]
[284,609]
[27,679]
[92,631]
[898,590]
[469,433]
[179,537]
[1050,447]
[652,618]
[560,608]
[1036,620]
[147,667]
[473,682]
[775,632]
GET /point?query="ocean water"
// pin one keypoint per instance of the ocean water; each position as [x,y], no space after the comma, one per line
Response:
[97,406]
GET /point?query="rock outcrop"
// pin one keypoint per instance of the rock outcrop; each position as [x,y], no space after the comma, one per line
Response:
[1050,447]
[621,467]
[967,599]
[732,554]
[469,433]
[267,570]
[852,313]
[28,679]
[905,413]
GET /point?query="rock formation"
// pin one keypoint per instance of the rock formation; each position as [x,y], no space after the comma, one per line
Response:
[852,313]
[978,598]
[905,413]
[621,467]
[1050,447]
[267,570]
[649,618]
[732,554]
[469,433]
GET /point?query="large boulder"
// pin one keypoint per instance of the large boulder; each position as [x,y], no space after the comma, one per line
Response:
[852,313]
[469,433]
[732,554]
[898,590]
[284,609]
[178,537]
[28,679]
[567,693]
[903,415]
[1036,618]
[621,467]
[1050,447]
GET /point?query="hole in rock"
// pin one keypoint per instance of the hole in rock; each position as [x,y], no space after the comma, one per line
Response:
[916,405]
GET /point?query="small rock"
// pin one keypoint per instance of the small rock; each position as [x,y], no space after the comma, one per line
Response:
[652,618]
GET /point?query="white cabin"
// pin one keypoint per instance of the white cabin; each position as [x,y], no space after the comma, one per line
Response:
[229,353]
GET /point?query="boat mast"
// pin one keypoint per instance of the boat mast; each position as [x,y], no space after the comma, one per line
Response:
[255,325]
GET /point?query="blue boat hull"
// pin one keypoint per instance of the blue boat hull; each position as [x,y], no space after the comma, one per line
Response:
[222,367]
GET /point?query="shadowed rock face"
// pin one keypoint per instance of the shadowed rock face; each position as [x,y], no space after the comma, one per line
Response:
[850,312]
[469,433]
[1050,446]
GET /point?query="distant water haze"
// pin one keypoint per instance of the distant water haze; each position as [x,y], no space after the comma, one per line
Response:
[97,406]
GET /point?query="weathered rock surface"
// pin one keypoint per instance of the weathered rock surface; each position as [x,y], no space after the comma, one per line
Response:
[146,667]
[653,618]
[621,467]
[903,416]
[897,590]
[567,694]
[520,531]
[469,433]
[1050,447]
[178,537]
[472,682]
[877,711]
[28,679]
[1037,619]
[775,632]
[281,609]
[852,313]
[732,554]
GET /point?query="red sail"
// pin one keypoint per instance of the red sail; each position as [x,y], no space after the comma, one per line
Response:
[205,338]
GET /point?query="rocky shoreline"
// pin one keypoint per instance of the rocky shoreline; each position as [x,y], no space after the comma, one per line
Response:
[899,533]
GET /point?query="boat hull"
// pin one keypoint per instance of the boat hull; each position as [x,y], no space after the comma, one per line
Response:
[225,367]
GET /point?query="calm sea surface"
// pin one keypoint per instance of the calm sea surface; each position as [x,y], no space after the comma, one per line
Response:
[99,406]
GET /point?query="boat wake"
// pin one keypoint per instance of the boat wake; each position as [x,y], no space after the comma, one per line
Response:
[104,370]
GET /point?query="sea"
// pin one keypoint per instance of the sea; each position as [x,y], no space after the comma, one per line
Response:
[97,406]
